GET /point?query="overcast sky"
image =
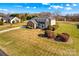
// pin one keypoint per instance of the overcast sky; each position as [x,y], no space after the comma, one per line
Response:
[64,8]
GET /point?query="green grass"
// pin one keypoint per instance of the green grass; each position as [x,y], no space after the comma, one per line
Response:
[27,42]
[70,27]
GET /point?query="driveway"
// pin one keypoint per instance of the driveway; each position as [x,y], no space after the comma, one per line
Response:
[3,31]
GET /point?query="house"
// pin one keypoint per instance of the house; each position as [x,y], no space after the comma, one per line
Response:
[14,20]
[11,20]
[41,23]
[1,19]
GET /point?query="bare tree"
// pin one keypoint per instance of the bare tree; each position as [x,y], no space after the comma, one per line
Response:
[57,14]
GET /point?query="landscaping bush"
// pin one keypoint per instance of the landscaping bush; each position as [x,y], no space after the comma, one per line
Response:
[77,26]
[49,27]
[53,28]
[1,23]
[62,37]
[49,34]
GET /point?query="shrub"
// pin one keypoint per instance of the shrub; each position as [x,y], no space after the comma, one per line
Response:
[77,26]
[53,28]
[62,37]
[49,34]
[49,27]
[1,23]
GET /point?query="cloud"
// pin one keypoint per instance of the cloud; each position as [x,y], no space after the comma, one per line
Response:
[49,8]
[57,7]
[27,7]
[3,9]
[19,6]
[51,5]
[67,4]
[68,8]
[74,4]
[45,3]
[34,7]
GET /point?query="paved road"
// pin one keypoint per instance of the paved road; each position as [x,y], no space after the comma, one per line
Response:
[3,31]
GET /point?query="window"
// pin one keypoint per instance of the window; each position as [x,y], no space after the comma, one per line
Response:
[41,25]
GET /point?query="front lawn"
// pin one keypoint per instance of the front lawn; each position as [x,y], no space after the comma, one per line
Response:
[27,42]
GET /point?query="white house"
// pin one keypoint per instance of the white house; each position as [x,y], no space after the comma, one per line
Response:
[11,20]
[15,20]
[41,22]
[0,18]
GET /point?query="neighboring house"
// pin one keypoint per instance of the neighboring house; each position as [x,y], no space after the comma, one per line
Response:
[1,19]
[14,20]
[11,20]
[41,22]
[32,23]
[5,19]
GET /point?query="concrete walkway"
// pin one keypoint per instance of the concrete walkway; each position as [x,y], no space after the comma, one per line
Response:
[3,31]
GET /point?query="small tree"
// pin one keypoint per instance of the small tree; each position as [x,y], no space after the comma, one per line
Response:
[49,27]
[49,34]
[52,28]
[57,14]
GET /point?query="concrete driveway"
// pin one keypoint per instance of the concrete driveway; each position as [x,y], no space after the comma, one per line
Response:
[3,31]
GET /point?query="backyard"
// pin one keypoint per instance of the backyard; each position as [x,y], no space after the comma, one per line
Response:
[26,42]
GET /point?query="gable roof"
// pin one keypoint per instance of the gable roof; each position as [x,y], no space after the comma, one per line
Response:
[0,18]
[43,19]
[16,18]
[9,18]
[33,21]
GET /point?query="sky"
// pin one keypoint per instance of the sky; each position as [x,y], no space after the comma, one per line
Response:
[64,8]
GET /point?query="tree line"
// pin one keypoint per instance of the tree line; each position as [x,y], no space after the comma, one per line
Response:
[57,15]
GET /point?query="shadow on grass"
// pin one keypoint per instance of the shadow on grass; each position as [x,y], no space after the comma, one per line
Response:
[25,26]
[41,35]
